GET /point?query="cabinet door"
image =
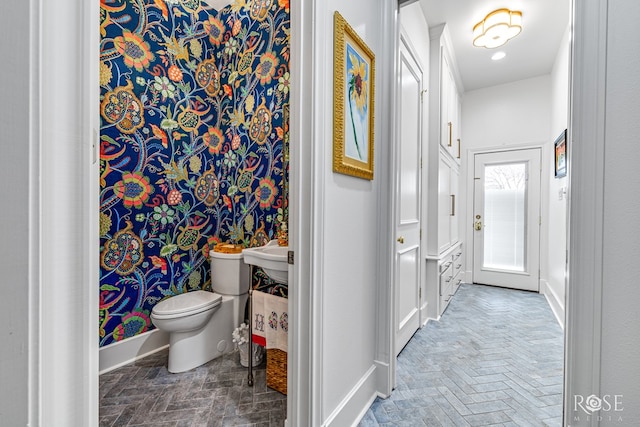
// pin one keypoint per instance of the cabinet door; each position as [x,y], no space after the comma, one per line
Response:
[445,100]
[444,206]
[454,218]
[453,116]
[457,143]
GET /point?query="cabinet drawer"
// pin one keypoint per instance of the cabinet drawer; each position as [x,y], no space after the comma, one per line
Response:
[446,279]
[445,265]
[456,281]
[456,260]
[457,267]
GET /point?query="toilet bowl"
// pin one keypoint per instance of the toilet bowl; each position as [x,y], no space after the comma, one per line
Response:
[200,323]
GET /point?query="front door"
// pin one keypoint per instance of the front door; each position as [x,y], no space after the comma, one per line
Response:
[506,219]
[407,190]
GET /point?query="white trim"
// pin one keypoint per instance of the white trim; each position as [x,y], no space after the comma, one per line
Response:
[427,320]
[384,371]
[586,186]
[386,154]
[135,348]
[301,354]
[90,283]
[468,276]
[34,216]
[317,166]
[68,101]
[356,403]
[557,306]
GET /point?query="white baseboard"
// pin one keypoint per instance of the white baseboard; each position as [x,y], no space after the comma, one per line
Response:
[357,402]
[429,319]
[424,313]
[124,352]
[383,379]
[557,306]
[468,277]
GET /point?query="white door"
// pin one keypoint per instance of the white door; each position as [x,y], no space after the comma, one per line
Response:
[506,237]
[407,190]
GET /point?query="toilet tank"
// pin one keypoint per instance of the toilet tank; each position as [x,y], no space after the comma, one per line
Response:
[229,274]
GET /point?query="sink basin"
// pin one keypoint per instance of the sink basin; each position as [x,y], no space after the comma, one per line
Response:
[271,258]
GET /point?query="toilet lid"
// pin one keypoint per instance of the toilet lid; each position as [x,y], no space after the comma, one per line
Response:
[187,302]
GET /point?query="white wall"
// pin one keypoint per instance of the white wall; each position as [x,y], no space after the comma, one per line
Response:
[501,117]
[620,350]
[510,114]
[347,227]
[603,320]
[557,212]
[14,220]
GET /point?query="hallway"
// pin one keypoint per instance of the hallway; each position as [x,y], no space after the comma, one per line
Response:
[494,358]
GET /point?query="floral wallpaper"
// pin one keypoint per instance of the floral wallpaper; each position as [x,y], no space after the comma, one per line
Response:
[194,111]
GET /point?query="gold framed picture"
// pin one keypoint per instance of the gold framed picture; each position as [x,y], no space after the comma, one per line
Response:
[353,102]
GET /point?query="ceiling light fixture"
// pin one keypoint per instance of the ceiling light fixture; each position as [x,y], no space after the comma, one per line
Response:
[497,28]
[498,55]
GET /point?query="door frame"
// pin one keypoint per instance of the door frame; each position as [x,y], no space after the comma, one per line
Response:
[587,123]
[472,211]
[467,215]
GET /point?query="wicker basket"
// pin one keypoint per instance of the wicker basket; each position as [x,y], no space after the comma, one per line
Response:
[277,370]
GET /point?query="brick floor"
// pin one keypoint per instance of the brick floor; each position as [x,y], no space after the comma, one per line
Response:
[144,393]
[494,358]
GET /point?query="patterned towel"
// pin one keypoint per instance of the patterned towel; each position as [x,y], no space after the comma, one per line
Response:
[270,320]
[257,303]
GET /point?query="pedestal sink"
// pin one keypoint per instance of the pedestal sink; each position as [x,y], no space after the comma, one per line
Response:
[271,258]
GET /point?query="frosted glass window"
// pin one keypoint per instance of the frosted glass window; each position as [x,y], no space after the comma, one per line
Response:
[505,188]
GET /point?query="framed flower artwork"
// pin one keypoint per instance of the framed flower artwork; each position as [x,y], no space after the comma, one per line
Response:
[353,102]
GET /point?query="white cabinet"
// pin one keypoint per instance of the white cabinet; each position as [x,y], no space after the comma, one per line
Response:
[450,108]
[444,273]
[447,86]
[447,221]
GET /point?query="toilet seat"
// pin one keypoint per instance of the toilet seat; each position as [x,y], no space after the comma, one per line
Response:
[186,304]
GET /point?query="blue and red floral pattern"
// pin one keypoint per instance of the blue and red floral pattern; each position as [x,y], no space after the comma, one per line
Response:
[193,105]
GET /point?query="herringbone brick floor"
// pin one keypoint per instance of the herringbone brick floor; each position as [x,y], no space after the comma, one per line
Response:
[494,358]
[216,394]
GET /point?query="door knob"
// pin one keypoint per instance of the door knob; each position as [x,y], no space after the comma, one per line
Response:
[477,225]
[401,240]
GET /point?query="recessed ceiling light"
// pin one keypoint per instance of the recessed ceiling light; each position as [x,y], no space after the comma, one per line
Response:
[498,55]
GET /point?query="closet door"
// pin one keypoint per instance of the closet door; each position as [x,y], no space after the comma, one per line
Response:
[408,199]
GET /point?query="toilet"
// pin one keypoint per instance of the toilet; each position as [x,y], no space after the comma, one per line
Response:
[200,323]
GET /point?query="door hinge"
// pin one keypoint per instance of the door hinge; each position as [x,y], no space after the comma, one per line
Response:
[420,294]
[540,220]
[420,162]
[421,233]
[290,257]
